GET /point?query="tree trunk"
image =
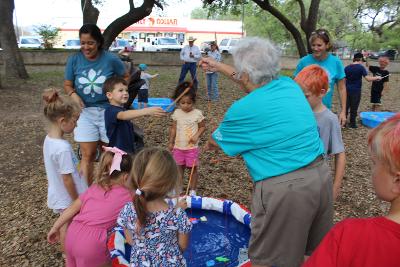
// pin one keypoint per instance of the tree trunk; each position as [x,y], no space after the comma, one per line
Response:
[265,5]
[14,64]
[90,12]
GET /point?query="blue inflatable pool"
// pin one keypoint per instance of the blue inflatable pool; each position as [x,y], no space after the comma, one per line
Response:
[157,102]
[220,235]
[373,119]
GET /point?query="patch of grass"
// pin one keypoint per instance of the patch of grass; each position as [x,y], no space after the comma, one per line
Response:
[287,72]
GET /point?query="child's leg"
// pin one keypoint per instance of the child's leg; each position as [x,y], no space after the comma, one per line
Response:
[181,171]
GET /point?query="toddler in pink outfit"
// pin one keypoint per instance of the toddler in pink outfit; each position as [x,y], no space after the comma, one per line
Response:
[96,212]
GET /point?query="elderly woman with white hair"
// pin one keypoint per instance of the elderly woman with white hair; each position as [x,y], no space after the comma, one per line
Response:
[274,130]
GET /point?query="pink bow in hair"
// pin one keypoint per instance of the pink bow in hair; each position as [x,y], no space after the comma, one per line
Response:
[116,162]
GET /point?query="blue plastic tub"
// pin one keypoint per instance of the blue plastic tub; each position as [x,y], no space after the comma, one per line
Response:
[373,119]
[156,102]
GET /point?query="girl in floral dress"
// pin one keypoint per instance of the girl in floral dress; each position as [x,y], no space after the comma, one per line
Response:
[157,232]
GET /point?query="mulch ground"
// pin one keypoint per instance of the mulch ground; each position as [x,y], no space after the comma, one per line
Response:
[25,218]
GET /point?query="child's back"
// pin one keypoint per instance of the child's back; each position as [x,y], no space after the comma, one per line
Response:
[330,132]
[88,231]
[363,242]
[157,242]
[157,232]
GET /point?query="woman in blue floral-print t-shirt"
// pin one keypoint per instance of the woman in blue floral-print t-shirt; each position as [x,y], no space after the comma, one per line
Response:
[157,232]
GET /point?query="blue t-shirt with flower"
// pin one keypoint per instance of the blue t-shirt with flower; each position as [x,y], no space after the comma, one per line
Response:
[88,76]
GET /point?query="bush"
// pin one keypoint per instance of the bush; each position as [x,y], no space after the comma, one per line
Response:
[48,34]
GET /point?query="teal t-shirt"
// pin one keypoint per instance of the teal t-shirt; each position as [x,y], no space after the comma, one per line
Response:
[273,128]
[334,68]
[88,76]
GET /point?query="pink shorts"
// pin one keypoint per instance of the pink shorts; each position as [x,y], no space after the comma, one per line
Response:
[186,157]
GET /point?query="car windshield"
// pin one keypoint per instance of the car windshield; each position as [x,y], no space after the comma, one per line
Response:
[224,42]
[122,42]
[167,41]
[30,41]
[73,43]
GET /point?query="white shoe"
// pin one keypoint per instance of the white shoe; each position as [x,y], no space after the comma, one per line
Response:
[192,193]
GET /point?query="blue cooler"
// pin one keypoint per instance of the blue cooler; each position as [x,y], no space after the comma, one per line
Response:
[372,119]
[157,102]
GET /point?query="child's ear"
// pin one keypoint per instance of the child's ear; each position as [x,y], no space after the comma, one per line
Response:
[396,183]
[109,95]
[324,91]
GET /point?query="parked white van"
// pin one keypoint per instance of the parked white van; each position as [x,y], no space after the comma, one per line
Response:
[226,45]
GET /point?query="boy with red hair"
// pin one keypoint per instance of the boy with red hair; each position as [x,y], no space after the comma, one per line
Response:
[314,82]
[367,242]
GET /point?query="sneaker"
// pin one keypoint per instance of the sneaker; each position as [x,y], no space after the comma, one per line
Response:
[192,193]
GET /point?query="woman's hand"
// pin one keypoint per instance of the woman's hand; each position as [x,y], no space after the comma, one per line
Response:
[342,118]
[208,64]
[77,99]
[53,235]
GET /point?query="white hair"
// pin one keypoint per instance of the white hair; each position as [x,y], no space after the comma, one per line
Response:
[258,57]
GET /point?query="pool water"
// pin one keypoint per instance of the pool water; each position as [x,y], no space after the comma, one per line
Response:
[220,236]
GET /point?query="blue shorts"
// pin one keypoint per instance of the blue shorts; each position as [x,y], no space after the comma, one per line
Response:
[143,96]
[91,126]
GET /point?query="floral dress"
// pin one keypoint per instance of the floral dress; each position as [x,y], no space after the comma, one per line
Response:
[157,242]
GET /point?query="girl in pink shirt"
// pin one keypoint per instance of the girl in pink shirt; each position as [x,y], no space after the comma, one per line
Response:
[96,212]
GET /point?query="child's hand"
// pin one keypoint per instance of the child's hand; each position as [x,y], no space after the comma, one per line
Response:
[193,140]
[171,146]
[156,111]
[53,236]
[182,203]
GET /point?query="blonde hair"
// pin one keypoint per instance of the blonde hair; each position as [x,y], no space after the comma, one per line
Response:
[57,105]
[384,143]
[155,174]
[103,177]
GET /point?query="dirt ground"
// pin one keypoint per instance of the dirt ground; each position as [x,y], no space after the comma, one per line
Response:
[25,218]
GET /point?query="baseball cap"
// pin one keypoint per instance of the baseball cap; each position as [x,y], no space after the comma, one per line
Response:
[142,66]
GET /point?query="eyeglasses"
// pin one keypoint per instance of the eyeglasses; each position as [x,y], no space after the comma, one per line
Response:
[321,33]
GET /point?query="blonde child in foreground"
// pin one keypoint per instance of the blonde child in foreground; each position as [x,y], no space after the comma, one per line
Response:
[96,212]
[375,241]
[64,181]
[314,82]
[187,127]
[157,232]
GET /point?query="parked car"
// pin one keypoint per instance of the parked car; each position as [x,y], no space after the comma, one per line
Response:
[120,44]
[391,53]
[72,44]
[162,44]
[30,42]
[205,46]
[226,45]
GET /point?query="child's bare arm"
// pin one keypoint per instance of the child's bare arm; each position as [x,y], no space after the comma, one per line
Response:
[183,241]
[371,78]
[131,114]
[65,217]
[155,75]
[172,135]
[340,163]
[385,87]
[70,186]
[128,236]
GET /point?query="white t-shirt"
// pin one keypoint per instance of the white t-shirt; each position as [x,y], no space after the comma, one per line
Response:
[187,125]
[59,159]
[146,77]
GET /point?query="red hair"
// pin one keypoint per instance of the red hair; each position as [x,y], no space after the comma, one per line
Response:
[384,142]
[313,78]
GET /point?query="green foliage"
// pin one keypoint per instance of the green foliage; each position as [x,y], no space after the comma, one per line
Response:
[203,13]
[48,34]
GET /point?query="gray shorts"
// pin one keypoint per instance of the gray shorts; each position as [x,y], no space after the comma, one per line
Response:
[291,213]
[91,126]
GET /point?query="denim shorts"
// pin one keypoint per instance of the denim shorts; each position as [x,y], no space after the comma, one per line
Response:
[91,126]
[143,96]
